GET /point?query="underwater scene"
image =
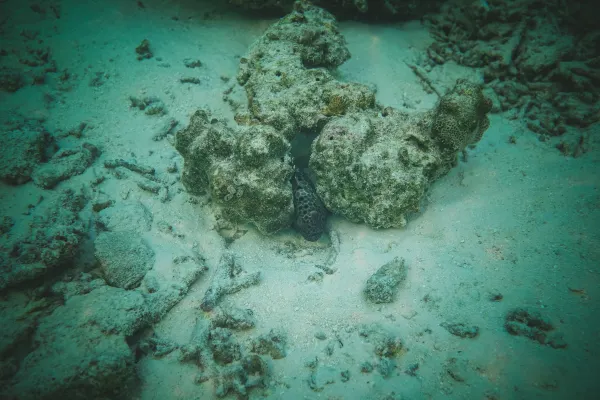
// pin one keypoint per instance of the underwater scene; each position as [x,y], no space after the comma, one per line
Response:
[299,200]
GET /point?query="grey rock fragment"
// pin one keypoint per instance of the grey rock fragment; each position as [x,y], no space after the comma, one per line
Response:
[131,165]
[192,63]
[64,164]
[126,216]
[383,284]
[163,291]
[149,186]
[320,335]
[124,258]
[82,351]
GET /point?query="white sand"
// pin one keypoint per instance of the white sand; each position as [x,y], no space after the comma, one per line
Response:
[521,220]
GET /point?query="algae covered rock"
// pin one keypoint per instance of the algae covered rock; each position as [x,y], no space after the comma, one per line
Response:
[81,349]
[376,167]
[64,164]
[382,285]
[22,150]
[49,245]
[287,77]
[371,164]
[247,170]
[531,324]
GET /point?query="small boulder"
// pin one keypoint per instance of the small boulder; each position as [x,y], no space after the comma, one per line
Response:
[124,258]
[383,284]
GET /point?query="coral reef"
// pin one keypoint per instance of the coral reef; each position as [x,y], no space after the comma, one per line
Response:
[371,165]
[246,170]
[375,167]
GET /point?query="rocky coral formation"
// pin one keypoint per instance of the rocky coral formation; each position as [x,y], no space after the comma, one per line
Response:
[532,324]
[540,58]
[24,147]
[64,164]
[376,167]
[246,170]
[81,350]
[382,286]
[50,244]
[371,165]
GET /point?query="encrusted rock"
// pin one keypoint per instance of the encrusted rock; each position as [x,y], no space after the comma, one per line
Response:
[382,285]
[124,258]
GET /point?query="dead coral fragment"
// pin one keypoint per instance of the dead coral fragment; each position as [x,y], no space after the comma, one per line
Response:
[229,278]
[143,50]
[151,105]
